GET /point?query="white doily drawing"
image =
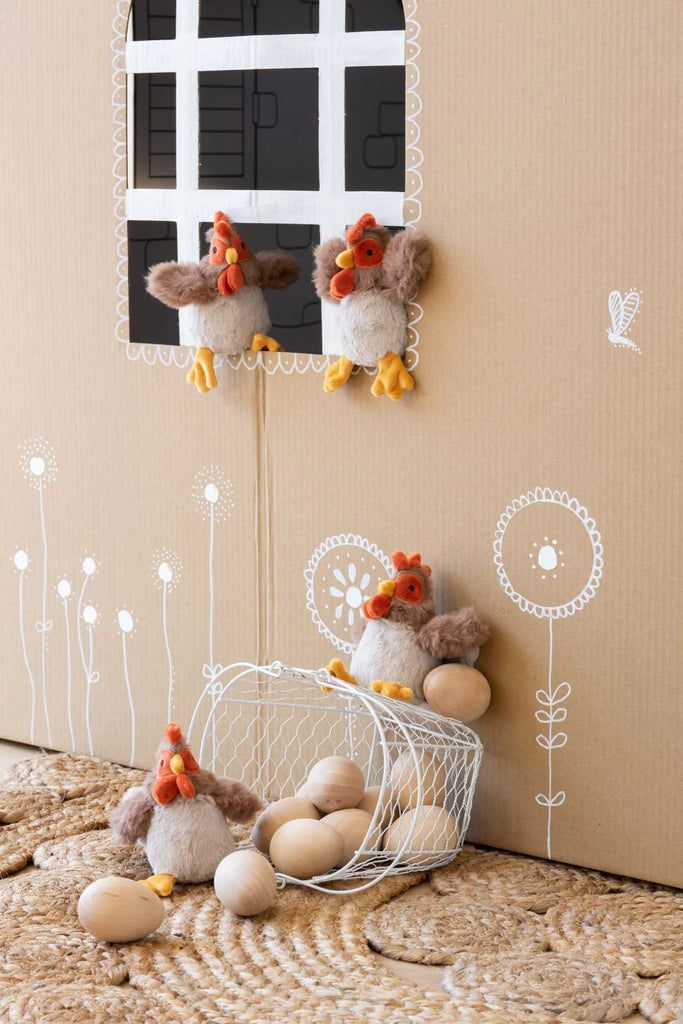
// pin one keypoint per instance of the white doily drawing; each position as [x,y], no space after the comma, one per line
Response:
[342,573]
[548,555]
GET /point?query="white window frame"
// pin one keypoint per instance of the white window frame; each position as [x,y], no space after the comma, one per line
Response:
[330,51]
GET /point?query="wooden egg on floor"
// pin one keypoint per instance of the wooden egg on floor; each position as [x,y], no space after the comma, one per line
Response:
[335,783]
[117,909]
[245,883]
[457,691]
[276,814]
[406,776]
[353,824]
[434,833]
[304,847]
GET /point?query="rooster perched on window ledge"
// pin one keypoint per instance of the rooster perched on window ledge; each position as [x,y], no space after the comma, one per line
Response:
[227,286]
[371,276]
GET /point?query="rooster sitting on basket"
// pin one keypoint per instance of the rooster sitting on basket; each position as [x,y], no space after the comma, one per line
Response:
[404,640]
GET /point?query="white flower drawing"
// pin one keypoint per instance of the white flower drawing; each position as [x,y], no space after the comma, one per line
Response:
[64,592]
[213,494]
[342,573]
[167,570]
[38,462]
[563,534]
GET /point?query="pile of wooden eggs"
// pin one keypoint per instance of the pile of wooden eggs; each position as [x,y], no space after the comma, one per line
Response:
[330,818]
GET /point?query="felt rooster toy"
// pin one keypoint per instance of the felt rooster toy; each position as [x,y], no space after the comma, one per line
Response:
[227,286]
[179,814]
[371,276]
[404,638]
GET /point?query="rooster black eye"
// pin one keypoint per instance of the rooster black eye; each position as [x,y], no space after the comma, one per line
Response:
[411,587]
[368,252]
[214,249]
[162,762]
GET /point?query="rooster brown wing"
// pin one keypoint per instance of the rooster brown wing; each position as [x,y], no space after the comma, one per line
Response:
[407,259]
[277,269]
[131,819]
[454,634]
[181,284]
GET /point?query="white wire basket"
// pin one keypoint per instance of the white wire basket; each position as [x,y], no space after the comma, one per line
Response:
[269,725]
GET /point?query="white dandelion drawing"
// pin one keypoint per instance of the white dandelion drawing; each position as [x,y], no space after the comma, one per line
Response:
[342,573]
[166,572]
[214,500]
[126,622]
[622,310]
[64,592]
[87,614]
[39,466]
[544,543]
[21,564]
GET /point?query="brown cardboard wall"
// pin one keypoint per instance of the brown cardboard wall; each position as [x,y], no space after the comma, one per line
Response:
[548,136]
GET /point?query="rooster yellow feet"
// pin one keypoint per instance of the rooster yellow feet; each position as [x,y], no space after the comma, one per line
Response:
[262,342]
[392,377]
[162,885]
[202,374]
[336,669]
[336,375]
[395,690]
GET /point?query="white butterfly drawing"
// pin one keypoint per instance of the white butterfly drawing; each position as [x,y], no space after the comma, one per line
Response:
[622,312]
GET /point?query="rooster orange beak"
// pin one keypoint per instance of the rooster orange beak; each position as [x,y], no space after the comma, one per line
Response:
[231,255]
[387,587]
[176,764]
[345,259]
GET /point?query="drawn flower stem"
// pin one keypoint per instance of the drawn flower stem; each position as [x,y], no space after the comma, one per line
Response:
[43,626]
[65,602]
[168,651]
[550,713]
[130,698]
[22,564]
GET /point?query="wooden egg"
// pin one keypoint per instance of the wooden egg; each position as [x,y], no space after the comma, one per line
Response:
[277,814]
[352,824]
[405,778]
[245,883]
[435,832]
[457,691]
[117,909]
[304,847]
[369,802]
[335,783]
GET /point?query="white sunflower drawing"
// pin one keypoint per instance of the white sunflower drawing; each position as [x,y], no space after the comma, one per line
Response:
[342,573]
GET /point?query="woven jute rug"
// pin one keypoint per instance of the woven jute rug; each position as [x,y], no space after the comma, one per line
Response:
[310,957]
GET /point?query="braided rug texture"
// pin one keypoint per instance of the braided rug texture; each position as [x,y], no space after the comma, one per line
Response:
[309,958]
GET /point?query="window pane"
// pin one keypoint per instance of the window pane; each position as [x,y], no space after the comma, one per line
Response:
[151,322]
[257,17]
[375,129]
[374,15]
[155,152]
[258,129]
[294,311]
[153,19]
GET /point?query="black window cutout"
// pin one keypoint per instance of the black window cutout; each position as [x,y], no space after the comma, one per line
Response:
[257,17]
[258,129]
[375,129]
[153,19]
[374,15]
[294,311]
[150,321]
[155,136]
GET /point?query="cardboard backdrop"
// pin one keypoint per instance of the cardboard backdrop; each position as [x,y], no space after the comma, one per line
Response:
[148,532]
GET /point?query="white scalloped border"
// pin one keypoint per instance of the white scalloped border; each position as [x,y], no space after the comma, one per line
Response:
[546,494]
[290,362]
[329,544]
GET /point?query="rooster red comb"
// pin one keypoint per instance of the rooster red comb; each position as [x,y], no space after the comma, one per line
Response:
[221,225]
[355,232]
[402,562]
